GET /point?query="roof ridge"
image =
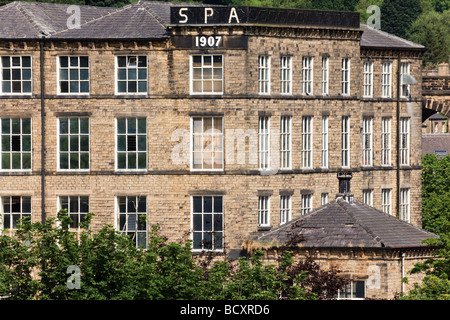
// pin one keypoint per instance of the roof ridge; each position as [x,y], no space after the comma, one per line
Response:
[27,16]
[363,226]
[150,12]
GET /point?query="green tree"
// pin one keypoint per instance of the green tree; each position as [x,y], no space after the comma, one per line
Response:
[432,29]
[398,16]
[34,264]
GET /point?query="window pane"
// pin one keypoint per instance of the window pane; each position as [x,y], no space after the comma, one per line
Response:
[26,125]
[63,62]
[6,161]
[84,62]
[16,161]
[142,86]
[6,143]
[197,204]
[131,124]
[142,160]
[121,125]
[207,204]
[84,143]
[26,143]
[64,161]
[142,125]
[84,74]
[74,143]
[84,86]
[121,62]
[26,62]
[63,143]
[74,164]
[197,222]
[218,204]
[84,125]
[84,161]
[121,160]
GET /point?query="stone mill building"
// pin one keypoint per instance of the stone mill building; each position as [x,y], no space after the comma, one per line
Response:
[219,124]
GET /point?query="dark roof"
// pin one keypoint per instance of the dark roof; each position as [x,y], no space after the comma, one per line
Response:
[139,20]
[135,21]
[340,224]
[437,116]
[33,20]
[377,39]
[436,143]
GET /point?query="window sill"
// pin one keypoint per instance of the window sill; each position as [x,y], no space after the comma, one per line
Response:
[264,228]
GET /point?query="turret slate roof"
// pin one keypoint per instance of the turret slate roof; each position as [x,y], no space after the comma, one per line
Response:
[342,224]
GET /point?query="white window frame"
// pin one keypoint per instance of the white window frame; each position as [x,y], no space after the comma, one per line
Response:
[345,80]
[404,88]
[345,142]
[264,74]
[307,75]
[367,141]
[325,75]
[215,246]
[11,152]
[69,152]
[264,211]
[137,74]
[285,209]
[404,140]
[368,79]
[69,68]
[324,153]
[386,200]
[11,67]
[307,142]
[21,214]
[323,198]
[286,142]
[306,203]
[386,80]
[128,213]
[264,142]
[386,141]
[203,67]
[351,289]
[78,229]
[214,137]
[368,197]
[405,204]
[286,75]
[126,134]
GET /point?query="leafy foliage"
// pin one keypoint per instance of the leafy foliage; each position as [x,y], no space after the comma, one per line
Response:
[432,29]
[34,265]
[436,219]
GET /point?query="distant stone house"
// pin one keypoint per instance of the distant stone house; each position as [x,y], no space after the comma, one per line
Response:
[373,249]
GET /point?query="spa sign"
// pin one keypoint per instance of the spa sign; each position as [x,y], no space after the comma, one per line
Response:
[207,15]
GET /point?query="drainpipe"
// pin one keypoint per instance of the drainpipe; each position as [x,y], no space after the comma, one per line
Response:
[42,78]
[398,134]
[403,271]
